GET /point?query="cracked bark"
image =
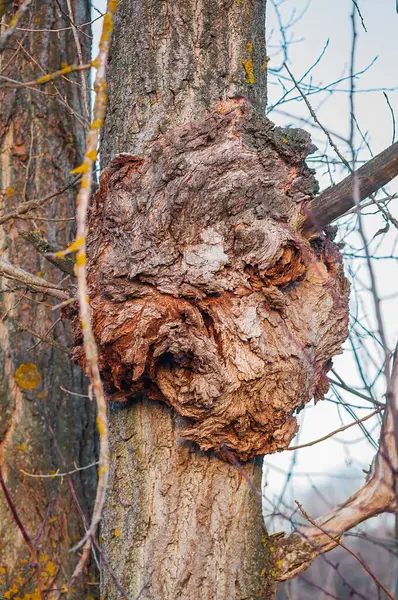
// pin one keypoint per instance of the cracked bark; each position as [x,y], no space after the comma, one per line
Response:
[40,142]
[215,319]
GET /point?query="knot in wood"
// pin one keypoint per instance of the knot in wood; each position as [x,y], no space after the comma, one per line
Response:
[204,293]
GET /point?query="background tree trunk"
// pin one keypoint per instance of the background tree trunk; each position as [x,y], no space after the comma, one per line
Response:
[179,523]
[43,427]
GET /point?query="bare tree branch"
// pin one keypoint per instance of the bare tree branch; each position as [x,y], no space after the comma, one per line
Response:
[339,430]
[34,282]
[43,246]
[336,200]
[33,204]
[356,556]
[296,553]
[43,338]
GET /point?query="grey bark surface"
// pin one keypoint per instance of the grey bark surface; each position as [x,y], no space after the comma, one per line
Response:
[42,427]
[171,61]
[215,318]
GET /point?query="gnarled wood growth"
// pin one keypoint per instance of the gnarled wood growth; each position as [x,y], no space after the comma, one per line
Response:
[189,525]
[204,294]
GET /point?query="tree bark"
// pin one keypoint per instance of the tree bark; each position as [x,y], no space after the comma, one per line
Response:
[171,61]
[43,427]
[179,523]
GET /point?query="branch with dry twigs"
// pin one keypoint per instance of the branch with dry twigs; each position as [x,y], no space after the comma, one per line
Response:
[295,553]
[35,283]
[30,205]
[336,200]
[340,543]
[5,36]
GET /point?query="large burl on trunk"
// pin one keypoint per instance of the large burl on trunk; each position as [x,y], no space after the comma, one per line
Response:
[204,293]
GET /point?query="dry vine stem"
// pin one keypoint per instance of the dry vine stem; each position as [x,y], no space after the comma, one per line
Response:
[79,246]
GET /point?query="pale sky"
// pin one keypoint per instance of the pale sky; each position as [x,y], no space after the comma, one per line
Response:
[323,21]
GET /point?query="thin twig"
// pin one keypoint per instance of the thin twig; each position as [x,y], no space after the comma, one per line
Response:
[338,542]
[347,388]
[325,437]
[24,533]
[56,474]
[86,105]
[90,347]
[392,115]
[74,393]
[44,338]
[5,36]
[45,78]
[317,121]
[336,200]
[38,203]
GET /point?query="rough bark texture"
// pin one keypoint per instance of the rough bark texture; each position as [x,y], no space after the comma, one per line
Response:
[40,141]
[171,61]
[204,296]
[179,523]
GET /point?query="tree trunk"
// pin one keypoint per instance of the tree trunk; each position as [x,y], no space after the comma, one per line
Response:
[179,522]
[204,297]
[43,427]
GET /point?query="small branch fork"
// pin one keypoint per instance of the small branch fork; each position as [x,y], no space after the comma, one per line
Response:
[379,494]
[295,553]
[336,200]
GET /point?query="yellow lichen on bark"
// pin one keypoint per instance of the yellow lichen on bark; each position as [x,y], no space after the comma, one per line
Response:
[27,376]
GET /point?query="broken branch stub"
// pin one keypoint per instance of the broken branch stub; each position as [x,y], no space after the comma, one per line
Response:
[204,295]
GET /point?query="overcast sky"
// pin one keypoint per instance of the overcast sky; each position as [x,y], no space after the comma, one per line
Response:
[329,23]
